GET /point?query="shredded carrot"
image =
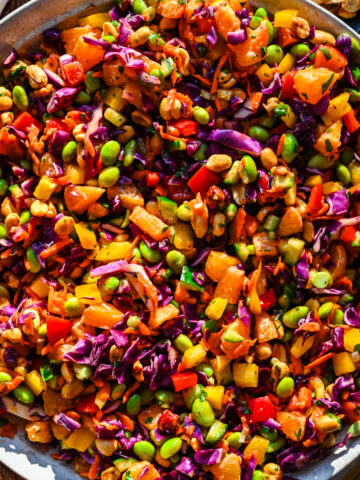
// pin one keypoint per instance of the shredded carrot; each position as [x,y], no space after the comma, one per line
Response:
[55,248]
[203,80]
[217,73]
[320,360]
[279,266]
[239,226]
[130,390]
[94,467]
[131,249]
[8,430]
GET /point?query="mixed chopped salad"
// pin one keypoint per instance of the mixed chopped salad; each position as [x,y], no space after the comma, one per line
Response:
[179,242]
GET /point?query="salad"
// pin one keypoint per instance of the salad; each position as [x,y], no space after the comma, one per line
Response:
[179,242]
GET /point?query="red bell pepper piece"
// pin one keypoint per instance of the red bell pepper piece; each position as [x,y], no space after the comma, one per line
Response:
[56,123]
[87,404]
[350,121]
[152,179]
[184,380]
[204,24]
[268,299]
[186,127]
[25,120]
[348,234]
[301,399]
[74,73]
[288,86]
[57,328]
[261,409]
[202,180]
[315,200]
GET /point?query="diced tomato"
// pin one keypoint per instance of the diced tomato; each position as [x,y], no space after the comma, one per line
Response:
[288,87]
[152,179]
[268,299]
[352,411]
[184,380]
[87,404]
[25,120]
[348,234]
[315,200]
[204,24]
[57,328]
[261,409]
[301,399]
[74,73]
[186,127]
[202,180]
[57,124]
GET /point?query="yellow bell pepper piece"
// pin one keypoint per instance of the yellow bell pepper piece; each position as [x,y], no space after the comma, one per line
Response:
[35,382]
[80,440]
[95,20]
[343,363]
[313,180]
[284,18]
[113,251]
[257,447]
[246,375]
[215,396]
[40,287]
[193,356]
[338,107]
[265,74]
[88,293]
[183,238]
[222,370]
[351,339]
[45,188]
[216,308]
[299,347]
[287,63]
[86,235]
[113,98]
[74,173]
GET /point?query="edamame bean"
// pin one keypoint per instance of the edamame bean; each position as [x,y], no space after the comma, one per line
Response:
[170,447]
[133,321]
[5,377]
[325,309]
[274,55]
[261,12]
[201,115]
[144,450]
[203,413]
[346,298]
[205,368]
[319,161]
[83,98]
[291,318]
[343,174]
[250,168]
[210,325]
[176,260]
[271,32]
[182,342]
[108,177]
[34,263]
[290,148]
[2,231]
[200,153]
[42,330]
[164,397]
[147,396]
[117,391]
[82,372]
[347,157]
[110,152]
[25,163]
[184,213]
[338,317]
[129,151]
[133,405]
[354,95]
[20,98]
[25,217]
[259,133]
[320,279]
[3,186]
[235,440]
[23,394]
[151,255]
[255,22]
[257,475]
[192,393]
[270,435]
[92,83]
[215,432]
[230,212]
[111,283]
[139,6]
[73,307]
[69,151]
[299,50]
[285,387]
[276,445]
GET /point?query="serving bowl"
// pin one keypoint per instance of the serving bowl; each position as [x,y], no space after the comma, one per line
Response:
[22,30]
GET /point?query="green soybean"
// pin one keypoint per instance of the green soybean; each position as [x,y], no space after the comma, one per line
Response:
[133,321]
[176,260]
[20,98]
[25,217]
[144,450]
[73,307]
[129,152]
[108,177]
[205,368]
[43,330]
[69,151]
[319,161]
[184,213]
[203,413]
[83,98]
[23,394]
[82,372]
[276,445]
[92,83]
[201,115]
[338,317]
[291,318]
[325,309]
[259,133]
[215,432]
[3,186]
[285,387]
[250,168]
[147,396]
[182,342]
[290,148]
[170,447]
[164,397]
[150,254]
[2,231]
[230,212]
[299,50]
[270,435]
[343,174]
[133,405]
[274,55]
[257,475]
[261,12]
[25,163]
[139,6]
[320,279]
[117,391]
[235,440]
[110,152]
[111,283]
[200,153]
[34,263]
[255,21]
[5,377]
